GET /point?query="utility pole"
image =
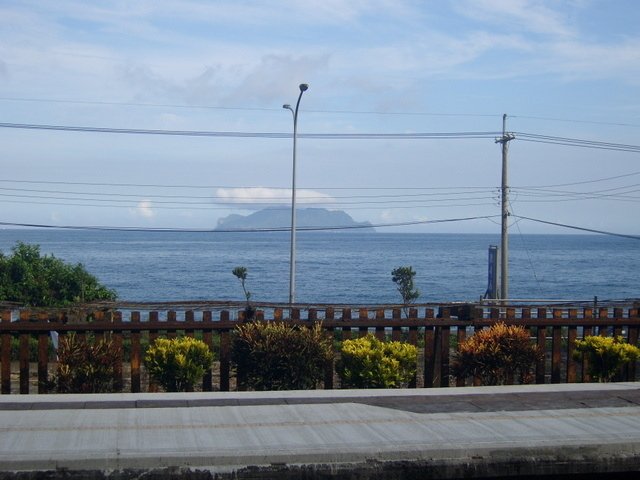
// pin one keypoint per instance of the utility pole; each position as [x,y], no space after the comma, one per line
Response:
[504,248]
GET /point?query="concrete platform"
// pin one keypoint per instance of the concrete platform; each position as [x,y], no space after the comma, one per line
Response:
[474,432]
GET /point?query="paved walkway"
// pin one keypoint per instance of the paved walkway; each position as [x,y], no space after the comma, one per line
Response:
[477,432]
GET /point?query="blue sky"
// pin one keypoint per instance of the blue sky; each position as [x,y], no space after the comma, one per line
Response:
[560,68]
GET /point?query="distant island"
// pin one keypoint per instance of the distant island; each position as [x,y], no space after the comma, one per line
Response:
[310,218]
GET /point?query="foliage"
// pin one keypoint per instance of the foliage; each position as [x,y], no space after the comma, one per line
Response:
[241,274]
[178,363]
[403,278]
[88,365]
[367,362]
[278,356]
[497,355]
[605,355]
[46,281]
[33,348]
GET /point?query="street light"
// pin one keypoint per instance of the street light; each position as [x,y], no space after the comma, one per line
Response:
[292,263]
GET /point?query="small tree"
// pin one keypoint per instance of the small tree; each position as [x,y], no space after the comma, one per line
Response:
[241,274]
[606,355]
[34,280]
[403,278]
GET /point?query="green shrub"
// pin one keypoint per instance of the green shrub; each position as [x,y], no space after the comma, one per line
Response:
[606,355]
[33,348]
[277,356]
[497,356]
[367,362]
[31,279]
[89,365]
[177,364]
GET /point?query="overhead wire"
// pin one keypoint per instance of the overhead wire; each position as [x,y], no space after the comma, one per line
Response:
[277,135]
[583,229]
[247,230]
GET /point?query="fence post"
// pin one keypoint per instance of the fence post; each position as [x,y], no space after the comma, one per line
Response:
[461,336]
[632,337]
[43,354]
[225,355]
[346,317]
[24,355]
[572,334]
[329,315]
[396,316]
[586,332]
[542,345]
[429,350]
[171,318]
[363,314]
[154,325]
[5,346]
[207,338]
[556,348]
[445,352]
[118,344]
[135,353]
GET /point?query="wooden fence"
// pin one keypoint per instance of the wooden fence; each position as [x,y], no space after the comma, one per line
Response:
[436,330]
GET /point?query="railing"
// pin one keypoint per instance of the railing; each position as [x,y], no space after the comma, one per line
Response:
[435,329]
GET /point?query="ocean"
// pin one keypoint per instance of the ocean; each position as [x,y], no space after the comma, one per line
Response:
[347,268]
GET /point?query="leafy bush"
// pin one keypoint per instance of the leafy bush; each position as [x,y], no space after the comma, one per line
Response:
[46,281]
[497,355]
[606,355]
[367,362]
[33,348]
[90,365]
[278,356]
[178,363]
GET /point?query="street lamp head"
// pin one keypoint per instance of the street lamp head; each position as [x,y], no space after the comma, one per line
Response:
[304,87]
[287,106]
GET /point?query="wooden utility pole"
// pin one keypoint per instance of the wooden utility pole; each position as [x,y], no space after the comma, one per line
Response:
[504,248]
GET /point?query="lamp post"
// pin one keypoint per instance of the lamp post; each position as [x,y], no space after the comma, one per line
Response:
[292,263]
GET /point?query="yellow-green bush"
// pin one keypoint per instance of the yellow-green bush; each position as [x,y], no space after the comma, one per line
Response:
[498,355]
[606,355]
[87,365]
[279,356]
[178,363]
[367,362]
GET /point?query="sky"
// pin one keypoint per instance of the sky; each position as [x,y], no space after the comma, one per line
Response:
[219,72]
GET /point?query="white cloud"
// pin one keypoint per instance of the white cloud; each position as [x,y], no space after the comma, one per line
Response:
[260,196]
[144,209]
[523,15]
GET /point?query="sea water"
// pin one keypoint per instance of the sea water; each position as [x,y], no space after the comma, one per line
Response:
[352,268]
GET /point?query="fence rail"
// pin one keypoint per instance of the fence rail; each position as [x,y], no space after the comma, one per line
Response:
[435,329]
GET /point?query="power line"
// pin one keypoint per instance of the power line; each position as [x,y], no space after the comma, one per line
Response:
[241,206]
[583,229]
[328,111]
[576,142]
[573,120]
[250,109]
[202,133]
[137,104]
[248,230]
[159,185]
[605,179]
[528,137]
[245,199]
